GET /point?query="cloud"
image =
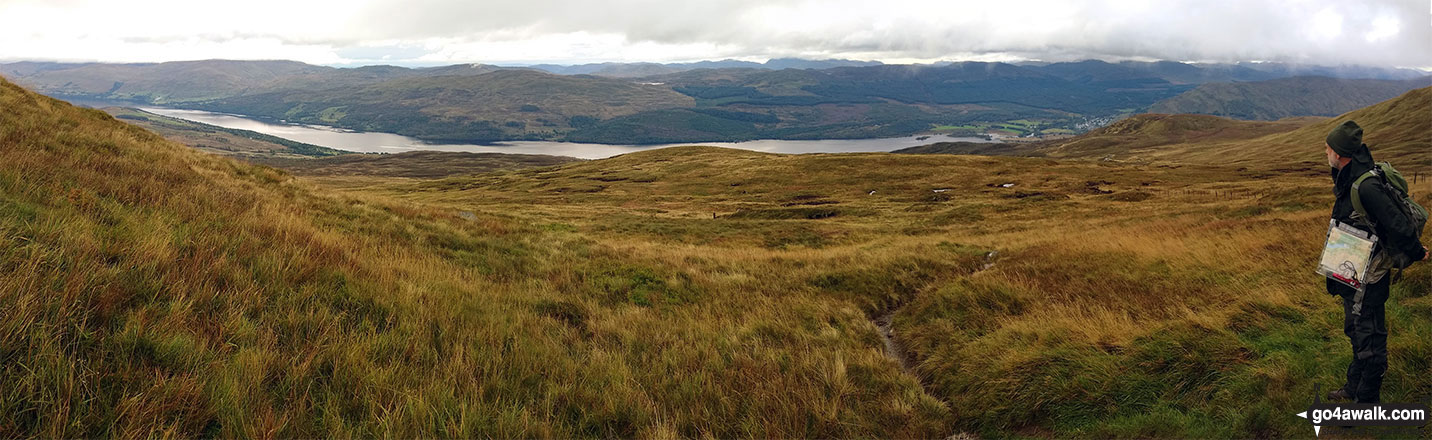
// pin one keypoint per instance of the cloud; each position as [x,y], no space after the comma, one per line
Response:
[1379,32]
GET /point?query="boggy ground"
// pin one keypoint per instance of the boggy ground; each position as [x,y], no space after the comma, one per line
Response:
[1125,300]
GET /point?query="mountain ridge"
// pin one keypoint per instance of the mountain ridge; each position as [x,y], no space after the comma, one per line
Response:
[728,104]
[1286,97]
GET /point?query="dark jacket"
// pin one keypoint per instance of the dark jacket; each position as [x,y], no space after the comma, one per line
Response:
[1393,228]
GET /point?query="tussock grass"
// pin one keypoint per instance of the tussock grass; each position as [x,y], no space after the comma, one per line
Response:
[1166,303]
[156,291]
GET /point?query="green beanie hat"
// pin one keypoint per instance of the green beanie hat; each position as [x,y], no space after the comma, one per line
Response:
[1346,139]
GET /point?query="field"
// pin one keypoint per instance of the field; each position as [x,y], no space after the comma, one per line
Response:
[156,291]
[1011,128]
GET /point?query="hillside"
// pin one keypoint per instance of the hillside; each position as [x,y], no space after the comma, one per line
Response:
[956,83]
[1142,132]
[1395,130]
[869,101]
[1115,291]
[632,70]
[498,105]
[1120,139]
[156,291]
[1286,97]
[1093,70]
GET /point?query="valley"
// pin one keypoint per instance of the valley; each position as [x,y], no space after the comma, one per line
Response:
[716,102]
[682,292]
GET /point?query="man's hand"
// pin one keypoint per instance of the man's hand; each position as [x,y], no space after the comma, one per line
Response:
[1425,254]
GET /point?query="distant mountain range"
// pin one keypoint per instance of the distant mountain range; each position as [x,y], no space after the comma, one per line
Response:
[1286,97]
[1095,70]
[499,105]
[634,70]
[690,102]
[188,81]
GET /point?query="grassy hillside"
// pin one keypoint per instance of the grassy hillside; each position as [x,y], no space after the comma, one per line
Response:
[682,292]
[216,139]
[1123,138]
[1286,97]
[1395,130]
[1148,131]
[158,291]
[1123,301]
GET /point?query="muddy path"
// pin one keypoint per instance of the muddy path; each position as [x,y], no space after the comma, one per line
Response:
[884,322]
[895,350]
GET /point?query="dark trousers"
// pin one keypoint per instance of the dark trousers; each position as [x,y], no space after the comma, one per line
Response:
[1367,331]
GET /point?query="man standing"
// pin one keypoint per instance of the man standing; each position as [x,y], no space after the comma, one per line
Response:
[1364,317]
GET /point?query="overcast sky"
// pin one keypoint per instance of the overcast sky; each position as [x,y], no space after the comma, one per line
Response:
[1393,33]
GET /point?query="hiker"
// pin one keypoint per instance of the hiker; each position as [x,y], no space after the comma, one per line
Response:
[1364,317]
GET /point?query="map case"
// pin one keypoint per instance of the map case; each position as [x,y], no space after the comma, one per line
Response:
[1347,254]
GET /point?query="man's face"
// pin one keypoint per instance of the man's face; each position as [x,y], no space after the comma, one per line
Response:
[1333,159]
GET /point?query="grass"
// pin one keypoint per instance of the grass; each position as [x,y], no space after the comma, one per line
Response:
[1015,127]
[157,291]
[414,164]
[1121,319]
[1394,131]
[682,292]
[954,127]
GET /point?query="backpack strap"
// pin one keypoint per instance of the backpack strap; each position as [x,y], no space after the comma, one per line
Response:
[1362,212]
[1357,197]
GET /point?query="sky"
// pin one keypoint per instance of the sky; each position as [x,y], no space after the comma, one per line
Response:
[1385,33]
